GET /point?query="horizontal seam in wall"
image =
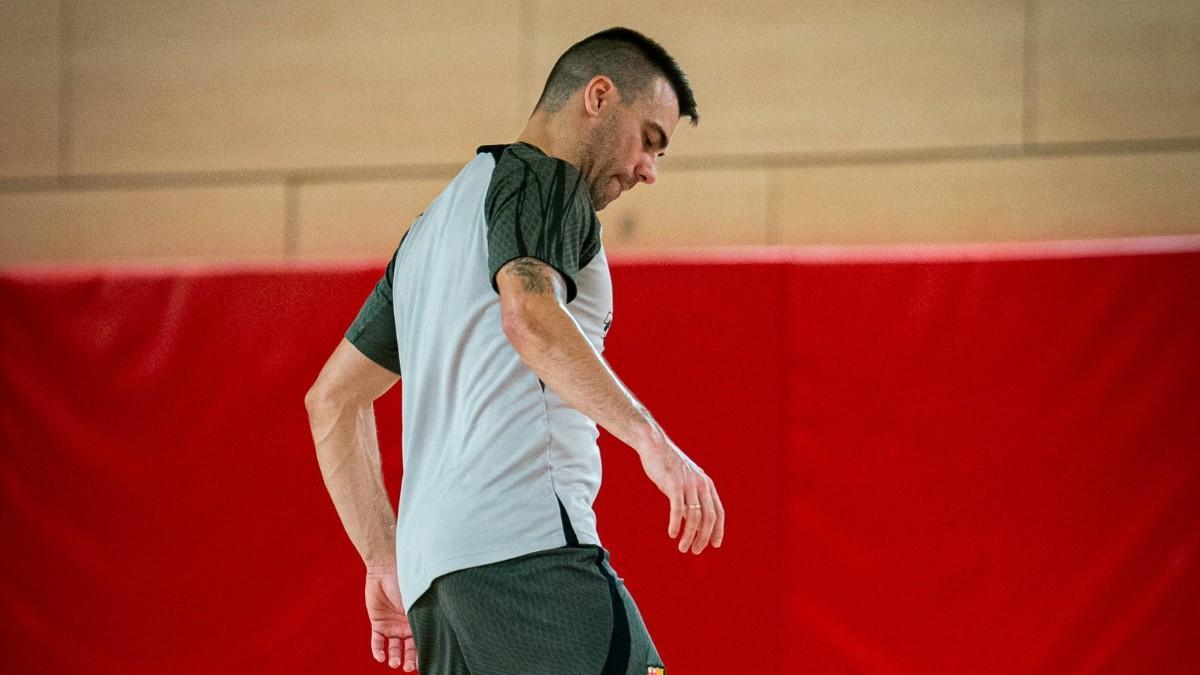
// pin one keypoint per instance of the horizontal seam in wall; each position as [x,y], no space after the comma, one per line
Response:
[361,174]
[937,154]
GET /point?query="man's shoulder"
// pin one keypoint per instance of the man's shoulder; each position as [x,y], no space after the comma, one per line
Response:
[526,176]
[525,162]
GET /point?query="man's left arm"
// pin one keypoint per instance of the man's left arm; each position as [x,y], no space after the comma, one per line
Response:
[341,415]
[342,419]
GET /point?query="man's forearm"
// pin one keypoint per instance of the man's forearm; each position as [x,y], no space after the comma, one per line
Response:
[552,345]
[348,452]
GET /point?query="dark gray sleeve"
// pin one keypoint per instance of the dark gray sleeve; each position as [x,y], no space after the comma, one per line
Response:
[540,209]
[374,329]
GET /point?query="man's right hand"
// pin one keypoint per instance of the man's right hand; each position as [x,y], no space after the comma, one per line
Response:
[696,508]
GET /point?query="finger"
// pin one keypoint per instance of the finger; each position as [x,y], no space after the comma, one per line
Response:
[395,652]
[709,521]
[410,655]
[377,646]
[674,520]
[719,529]
[692,517]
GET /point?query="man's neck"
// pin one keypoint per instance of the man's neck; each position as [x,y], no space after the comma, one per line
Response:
[550,134]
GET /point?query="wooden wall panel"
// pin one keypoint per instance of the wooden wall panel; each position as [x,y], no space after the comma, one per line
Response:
[237,84]
[991,200]
[1126,69]
[803,104]
[29,87]
[782,76]
[360,219]
[693,208]
[204,223]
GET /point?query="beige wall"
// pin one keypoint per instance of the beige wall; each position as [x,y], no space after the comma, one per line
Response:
[234,129]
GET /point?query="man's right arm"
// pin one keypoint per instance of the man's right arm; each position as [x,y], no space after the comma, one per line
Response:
[550,343]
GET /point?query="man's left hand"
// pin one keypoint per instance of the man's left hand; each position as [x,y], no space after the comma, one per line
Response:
[391,636]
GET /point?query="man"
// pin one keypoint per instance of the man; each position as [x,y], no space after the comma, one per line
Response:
[495,308]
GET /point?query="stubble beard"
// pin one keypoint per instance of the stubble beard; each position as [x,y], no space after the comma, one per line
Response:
[596,159]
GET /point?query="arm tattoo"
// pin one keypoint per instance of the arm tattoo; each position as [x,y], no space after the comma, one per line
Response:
[533,273]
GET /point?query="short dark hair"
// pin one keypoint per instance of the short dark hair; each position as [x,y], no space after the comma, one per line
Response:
[630,59]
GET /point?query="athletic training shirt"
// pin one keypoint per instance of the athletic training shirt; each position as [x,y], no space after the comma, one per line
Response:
[495,464]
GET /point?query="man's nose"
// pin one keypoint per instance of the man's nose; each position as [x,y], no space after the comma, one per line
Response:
[648,170]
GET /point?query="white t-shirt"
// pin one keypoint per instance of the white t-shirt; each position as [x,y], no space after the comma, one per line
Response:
[489,453]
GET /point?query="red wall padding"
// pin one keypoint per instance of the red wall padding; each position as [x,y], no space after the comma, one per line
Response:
[929,467]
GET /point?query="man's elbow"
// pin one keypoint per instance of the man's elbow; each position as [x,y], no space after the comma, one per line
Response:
[324,409]
[319,401]
[524,332]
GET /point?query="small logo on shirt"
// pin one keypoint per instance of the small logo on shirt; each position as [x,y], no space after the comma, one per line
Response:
[656,671]
[607,324]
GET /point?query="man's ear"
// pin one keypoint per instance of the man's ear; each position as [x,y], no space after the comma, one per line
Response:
[599,92]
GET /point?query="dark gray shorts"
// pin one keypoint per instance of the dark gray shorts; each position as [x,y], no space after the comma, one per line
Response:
[555,612]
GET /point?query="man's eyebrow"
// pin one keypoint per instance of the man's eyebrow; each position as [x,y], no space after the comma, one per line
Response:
[663,141]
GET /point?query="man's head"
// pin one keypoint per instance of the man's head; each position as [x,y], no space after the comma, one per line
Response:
[617,97]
